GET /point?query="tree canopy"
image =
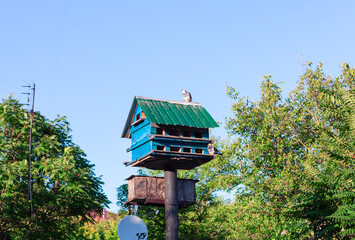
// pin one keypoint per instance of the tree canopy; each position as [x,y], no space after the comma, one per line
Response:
[65,190]
[294,155]
[288,161]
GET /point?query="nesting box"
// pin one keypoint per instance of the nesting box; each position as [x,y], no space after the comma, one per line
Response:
[168,132]
[150,191]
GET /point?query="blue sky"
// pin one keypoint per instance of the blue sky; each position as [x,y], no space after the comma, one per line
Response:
[90,58]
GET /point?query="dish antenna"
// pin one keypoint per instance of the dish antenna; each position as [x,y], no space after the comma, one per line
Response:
[132,228]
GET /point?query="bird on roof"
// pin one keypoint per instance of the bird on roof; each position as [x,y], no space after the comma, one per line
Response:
[186,95]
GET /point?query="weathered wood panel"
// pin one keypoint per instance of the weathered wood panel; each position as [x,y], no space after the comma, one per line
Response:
[181,194]
[161,189]
[189,191]
[151,191]
[140,188]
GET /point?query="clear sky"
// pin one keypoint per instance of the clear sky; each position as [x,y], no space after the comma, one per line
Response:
[90,58]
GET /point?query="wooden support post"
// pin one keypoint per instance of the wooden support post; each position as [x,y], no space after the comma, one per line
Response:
[171,203]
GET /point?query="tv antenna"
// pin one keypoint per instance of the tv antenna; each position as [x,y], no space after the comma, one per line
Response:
[31,88]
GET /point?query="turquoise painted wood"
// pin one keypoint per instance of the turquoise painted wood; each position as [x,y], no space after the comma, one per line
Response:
[156,145]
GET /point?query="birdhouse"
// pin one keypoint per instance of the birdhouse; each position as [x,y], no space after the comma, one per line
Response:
[150,191]
[168,132]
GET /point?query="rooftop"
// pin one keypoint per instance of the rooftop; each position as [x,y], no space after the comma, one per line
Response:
[167,112]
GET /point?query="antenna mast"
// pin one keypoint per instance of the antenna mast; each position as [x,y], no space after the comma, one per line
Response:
[29,193]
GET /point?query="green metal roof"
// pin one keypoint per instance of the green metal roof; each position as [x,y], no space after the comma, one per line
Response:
[177,113]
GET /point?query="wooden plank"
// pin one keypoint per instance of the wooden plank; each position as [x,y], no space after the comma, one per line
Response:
[189,191]
[156,163]
[161,188]
[182,138]
[138,121]
[140,187]
[131,190]
[155,202]
[180,189]
[182,153]
[152,189]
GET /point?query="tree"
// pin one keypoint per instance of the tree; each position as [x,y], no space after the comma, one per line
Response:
[101,229]
[344,194]
[65,189]
[284,161]
[289,160]
[328,204]
[267,152]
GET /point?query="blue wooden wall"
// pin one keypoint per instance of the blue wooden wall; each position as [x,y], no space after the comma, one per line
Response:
[142,145]
[140,133]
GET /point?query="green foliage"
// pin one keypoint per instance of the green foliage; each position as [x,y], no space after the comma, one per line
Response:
[289,160]
[296,153]
[122,193]
[329,202]
[65,189]
[101,229]
[269,145]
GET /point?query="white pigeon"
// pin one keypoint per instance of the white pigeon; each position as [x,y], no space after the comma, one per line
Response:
[186,95]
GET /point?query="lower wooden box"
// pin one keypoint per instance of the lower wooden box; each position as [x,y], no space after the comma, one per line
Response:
[150,191]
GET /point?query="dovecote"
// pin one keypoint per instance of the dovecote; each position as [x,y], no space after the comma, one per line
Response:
[168,133]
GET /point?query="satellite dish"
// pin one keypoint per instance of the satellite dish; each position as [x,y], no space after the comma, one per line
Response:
[132,228]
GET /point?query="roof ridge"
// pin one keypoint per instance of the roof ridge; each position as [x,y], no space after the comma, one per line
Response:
[167,112]
[169,101]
